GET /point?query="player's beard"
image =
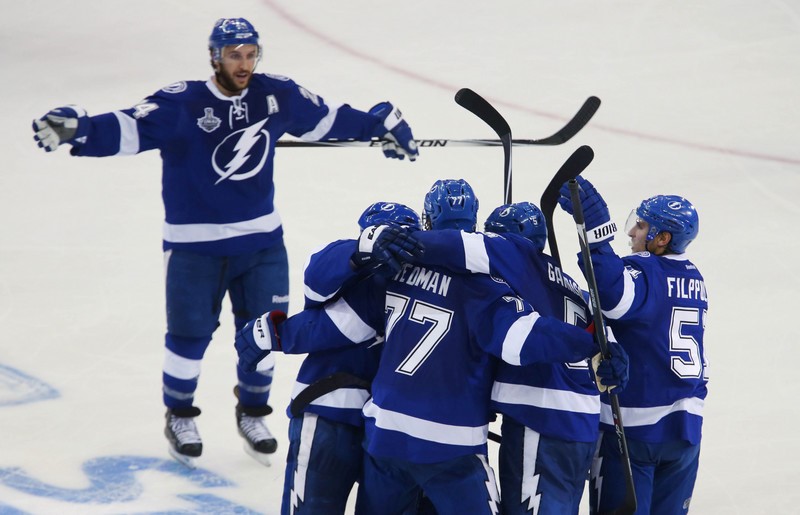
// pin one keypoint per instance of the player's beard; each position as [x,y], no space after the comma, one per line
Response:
[227,81]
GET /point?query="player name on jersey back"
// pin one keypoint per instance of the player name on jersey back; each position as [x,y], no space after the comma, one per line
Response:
[429,280]
[683,288]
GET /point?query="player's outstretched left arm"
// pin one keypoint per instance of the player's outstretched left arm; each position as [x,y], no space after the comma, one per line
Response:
[68,124]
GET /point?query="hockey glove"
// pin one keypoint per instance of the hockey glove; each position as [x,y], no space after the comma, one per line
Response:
[258,338]
[611,372]
[384,248]
[68,124]
[399,141]
[599,227]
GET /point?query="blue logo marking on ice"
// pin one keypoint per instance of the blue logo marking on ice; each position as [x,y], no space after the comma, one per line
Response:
[19,388]
[113,480]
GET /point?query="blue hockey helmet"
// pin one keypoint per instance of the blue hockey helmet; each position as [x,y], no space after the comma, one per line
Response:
[389,213]
[231,31]
[672,214]
[524,218]
[450,204]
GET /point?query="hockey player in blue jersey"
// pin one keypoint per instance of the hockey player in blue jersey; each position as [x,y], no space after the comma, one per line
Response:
[326,430]
[222,233]
[655,301]
[427,420]
[550,411]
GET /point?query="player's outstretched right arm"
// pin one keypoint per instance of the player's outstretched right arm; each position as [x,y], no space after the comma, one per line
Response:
[68,124]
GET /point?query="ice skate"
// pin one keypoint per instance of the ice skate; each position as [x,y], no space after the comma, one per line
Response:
[185,444]
[258,441]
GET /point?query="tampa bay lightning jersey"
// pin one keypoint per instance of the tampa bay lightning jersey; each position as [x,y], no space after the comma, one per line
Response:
[558,400]
[217,153]
[444,333]
[657,306]
[327,272]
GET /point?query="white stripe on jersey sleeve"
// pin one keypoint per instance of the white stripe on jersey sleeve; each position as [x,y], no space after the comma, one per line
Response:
[348,322]
[626,301]
[128,134]
[344,398]
[477,260]
[191,233]
[515,338]
[649,416]
[547,398]
[426,429]
[324,125]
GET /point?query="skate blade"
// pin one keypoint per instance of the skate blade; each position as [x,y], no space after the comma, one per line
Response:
[258,456]
[188,461]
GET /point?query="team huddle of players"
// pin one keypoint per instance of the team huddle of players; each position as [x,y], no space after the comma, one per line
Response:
[418,332]
[417,338]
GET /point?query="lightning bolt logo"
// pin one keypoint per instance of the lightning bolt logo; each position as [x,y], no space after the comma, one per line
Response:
[491,486]
[596,480]
[530,479]
[298,491]
[245,139]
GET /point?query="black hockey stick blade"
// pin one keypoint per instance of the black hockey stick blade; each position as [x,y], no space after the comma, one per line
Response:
[325,386]
[573,127]
[481,108]
[572,167]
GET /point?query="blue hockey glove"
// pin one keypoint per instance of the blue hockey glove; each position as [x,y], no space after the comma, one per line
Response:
[611,373]
[68,124]
[394,129]
[258,338]
[384,248]
[599,227]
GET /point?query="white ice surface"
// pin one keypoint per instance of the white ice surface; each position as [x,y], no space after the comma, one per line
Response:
[699,99]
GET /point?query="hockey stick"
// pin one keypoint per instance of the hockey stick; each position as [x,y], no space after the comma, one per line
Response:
[628,506]
[476,104]
[571,168]
[563,135]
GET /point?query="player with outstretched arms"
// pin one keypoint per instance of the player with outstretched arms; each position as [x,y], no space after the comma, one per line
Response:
[551,411]
[655,301]
[427,420]
[222,233]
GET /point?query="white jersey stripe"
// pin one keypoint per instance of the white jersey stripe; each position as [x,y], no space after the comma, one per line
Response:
[547,398]
[128,134]
[626,301]
[632,417]
[348,322]
[515,338]
[192,233]
[425,429]
[477,260]
[324,125]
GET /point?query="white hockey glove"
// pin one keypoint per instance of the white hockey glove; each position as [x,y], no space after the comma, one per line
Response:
[68,124]
[394,129]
